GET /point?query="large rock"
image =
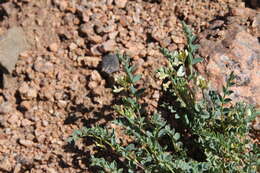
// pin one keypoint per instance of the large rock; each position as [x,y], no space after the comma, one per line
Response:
[233,50]
[11,45]
[238,51]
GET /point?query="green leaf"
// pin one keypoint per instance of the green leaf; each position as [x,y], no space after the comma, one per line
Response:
[161,133]
[130,101]
[177,136]
[193,38]
[226,110]
[231,84]
[227,100]
[229,92]
[197,60]
[130,147]
[205,115]
[140,92]
[177,116]
[131,69]
[186,119]
[136,78]
[70,140]
[133,90]
[193,48]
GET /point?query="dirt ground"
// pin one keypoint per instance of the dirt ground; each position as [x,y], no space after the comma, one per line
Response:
[58,86]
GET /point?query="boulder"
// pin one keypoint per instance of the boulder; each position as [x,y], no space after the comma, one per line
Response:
[238,51]
[12,43]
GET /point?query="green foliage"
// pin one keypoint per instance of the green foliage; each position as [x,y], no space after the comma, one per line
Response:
[220,128]
[192,48]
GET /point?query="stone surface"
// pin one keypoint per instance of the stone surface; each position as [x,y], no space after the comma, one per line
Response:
[89,61]
[256,22]
[26,143]
[239,52]
[94,50]
[54,47]
[120,3]
[11,45]
[256,124]
[43,66]
[110,63]
[6,108]
[27,92]
[8,81]
[108,46]
[134,48]
[14,119]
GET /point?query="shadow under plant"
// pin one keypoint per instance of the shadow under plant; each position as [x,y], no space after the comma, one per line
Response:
[81,154]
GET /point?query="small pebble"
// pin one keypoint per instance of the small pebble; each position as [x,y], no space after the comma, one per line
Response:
[26,143]
[54,47]
[110,63]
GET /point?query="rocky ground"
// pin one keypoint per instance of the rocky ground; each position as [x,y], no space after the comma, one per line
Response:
[56,85]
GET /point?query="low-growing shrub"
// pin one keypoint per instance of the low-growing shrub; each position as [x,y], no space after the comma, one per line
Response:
[216,128]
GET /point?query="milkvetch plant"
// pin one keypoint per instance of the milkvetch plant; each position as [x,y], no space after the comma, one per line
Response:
[218,127]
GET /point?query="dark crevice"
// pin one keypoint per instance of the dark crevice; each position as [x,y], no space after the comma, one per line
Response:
[3,14]
[150,39]
[153,1]
[252,3]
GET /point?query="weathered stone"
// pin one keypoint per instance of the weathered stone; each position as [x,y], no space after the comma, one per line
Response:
[239,52]
[95,76]
[256,124]
[43,66]
[3,139]
[108,46]
[51,170]
[14,119]
[178,39]
[17,168]
[94,38]
[11,45]
[25,105]
[110,63]
[72,46]
[120,3]
[256,22]
[94,50]
[243,12]
[54,47]
[89,61]
[27,92]
[9,8]
[26,122]
[134,48]
[92,85]
[26,143]
[158,34]
[6,108]
[112,35]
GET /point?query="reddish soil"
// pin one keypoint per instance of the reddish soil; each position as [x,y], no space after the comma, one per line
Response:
[58,87]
